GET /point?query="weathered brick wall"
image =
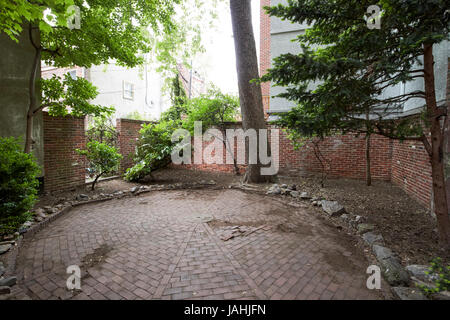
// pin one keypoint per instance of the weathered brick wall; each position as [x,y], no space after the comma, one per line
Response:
[265,52]
[128,131]
[344,156]
[411,170]
[64,168]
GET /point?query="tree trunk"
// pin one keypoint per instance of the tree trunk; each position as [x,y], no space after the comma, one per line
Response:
[436,151]
[247,69]
[32,98]
[368,173]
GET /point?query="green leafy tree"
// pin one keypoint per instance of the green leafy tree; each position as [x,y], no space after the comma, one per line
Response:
[103,159]
[214,110]
[18,185]
[101,129]
[154,149]
[352,65]
[109,30]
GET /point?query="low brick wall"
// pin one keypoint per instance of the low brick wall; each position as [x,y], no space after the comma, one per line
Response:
[64,168]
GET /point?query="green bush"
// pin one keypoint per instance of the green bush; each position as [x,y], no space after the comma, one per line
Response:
[103,159]
[442,282]
[154,149]
[18,185]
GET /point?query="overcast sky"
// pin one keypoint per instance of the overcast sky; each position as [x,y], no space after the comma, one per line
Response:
[218,64]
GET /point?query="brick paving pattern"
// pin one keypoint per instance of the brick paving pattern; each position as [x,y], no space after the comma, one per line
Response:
[169,245]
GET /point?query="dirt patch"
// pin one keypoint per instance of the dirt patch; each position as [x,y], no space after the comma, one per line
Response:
[97,257]
[407,227]
[215,223]
[340,262]
[295,228]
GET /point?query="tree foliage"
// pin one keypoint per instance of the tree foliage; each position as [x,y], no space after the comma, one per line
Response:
[103,159]
[345,67]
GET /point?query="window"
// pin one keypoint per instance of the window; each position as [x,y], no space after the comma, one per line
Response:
[128,90]
[73,74]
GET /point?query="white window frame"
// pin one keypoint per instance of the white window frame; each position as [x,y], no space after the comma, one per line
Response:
[126,93]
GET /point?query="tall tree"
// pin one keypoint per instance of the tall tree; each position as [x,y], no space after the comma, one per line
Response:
[247,69]
[108,29]
[354,65]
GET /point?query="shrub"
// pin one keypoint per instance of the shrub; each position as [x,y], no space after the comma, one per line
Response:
[18,185]
[154,149]
[442,281]
[102,157]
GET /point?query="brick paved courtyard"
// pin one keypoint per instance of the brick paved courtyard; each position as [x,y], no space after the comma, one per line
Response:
[171,245]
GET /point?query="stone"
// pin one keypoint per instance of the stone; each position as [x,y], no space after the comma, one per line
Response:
[2,269]
[420,272]
[305,196]
[38,219]
[293,187]
[372,238]
[365,227]
[344,217]
[332,208]
[82,197]
[5,248]
[315,203]
[391,268]
[5,290]
[294,194]
[404,293]
[9,282]
[443,295]
[284,186]
[275,189]
[134,189]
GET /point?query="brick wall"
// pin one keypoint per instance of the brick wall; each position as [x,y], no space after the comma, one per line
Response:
[128,134]
[265,52]
[64,168]
[411,170]
[344,155]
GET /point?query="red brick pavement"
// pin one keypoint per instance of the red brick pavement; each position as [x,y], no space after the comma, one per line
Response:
[161,246]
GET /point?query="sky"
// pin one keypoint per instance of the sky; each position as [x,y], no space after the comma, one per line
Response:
[218,63]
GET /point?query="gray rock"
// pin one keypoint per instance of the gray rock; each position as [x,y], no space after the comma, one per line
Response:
[295,194]
[365,227]
[38,219]
[5,290]
[372,238]
[9,282]
[5,248]
[293,187]
[332,208]
[315,203]
[344,217]
[305,196]
[82,197]
[404,293]
[420,272]
[284,186]
[275,189]
[443,295]
[2,269]
[134,189]
[391,268]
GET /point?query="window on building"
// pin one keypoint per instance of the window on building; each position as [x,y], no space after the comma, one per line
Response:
[73,74]
[128,90]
